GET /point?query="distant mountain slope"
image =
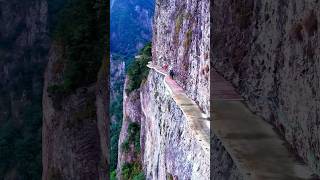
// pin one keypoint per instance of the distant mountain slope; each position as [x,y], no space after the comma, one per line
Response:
[130,25]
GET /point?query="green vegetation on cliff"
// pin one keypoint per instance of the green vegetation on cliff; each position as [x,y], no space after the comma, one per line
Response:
[115,127]
[132,138]
[132,171]
[138,70]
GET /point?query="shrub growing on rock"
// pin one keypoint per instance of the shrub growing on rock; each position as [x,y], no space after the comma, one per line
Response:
[132,138]
[132,171]
[138,70]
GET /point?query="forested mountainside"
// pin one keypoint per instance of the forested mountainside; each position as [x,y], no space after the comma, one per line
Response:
[130,24]
[24,44]
[75,95]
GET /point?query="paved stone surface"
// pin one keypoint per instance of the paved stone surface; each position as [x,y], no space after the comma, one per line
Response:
[198,123]
[252,143]
[222,89]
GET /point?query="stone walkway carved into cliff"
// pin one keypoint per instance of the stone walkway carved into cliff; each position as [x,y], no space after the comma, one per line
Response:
[194,116]
[255,147]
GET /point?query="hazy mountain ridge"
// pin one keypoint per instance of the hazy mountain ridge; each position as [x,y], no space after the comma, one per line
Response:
[130,24]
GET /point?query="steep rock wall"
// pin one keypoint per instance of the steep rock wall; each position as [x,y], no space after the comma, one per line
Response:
[268,50]
[24,44]
[181,39]
[74,127]
[75,96]
[117,77]
[170,150]
[132,114]
[102,105]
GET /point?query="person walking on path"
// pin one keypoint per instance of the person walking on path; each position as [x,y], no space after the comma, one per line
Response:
[171,73]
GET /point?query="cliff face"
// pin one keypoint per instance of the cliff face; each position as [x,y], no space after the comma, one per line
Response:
[132,114]
[181,39]
[117,76]
[268,50]
[169,149]
[102,104]
[74,129]
[76,97]
[24,44]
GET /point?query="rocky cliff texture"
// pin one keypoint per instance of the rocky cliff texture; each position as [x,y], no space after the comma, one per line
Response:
[131,114]
[117,76]
[181,39]
[76,96]
[269,51]
[168,148]
[74,127]
[23,44]
[102,104]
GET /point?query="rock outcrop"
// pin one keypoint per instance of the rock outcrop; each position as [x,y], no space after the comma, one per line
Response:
[117,76]
[74,127]
[24,43]
[102,104]
[132,114]
[269,51]
[169,149]
[76,97]
[181,39]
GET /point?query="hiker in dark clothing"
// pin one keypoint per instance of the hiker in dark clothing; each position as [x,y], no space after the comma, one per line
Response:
[171,73]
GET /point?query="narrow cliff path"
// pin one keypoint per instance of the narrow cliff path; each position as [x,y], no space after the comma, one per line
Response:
[252,143]
[198,123]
